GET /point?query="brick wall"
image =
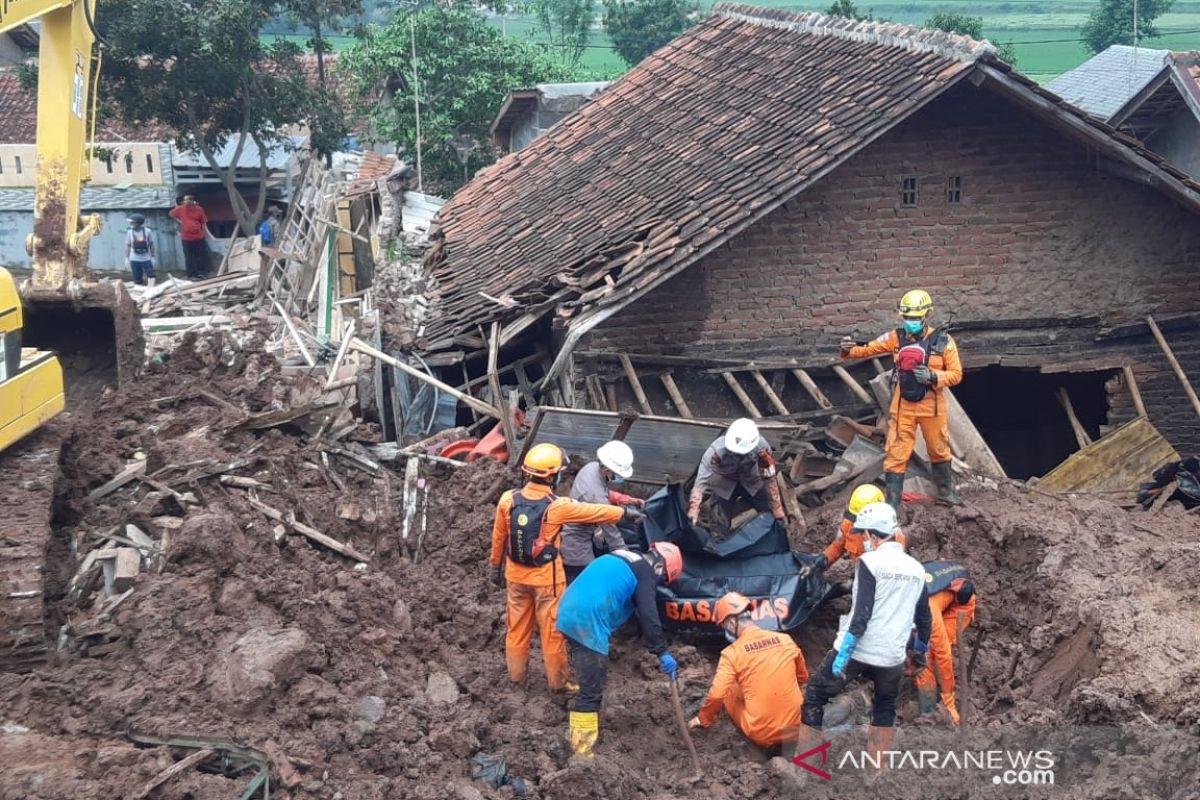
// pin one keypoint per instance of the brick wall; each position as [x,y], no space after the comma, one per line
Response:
[1041,232]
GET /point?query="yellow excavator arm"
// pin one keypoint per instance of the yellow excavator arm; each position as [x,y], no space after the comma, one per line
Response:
[58,244]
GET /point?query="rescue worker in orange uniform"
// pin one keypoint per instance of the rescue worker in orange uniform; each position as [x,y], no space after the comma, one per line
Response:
[758,680]
[528,531]
[951,593]
[927,364]
[849,540]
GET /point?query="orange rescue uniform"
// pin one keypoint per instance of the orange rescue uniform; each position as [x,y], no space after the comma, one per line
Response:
[929,413]
[758,682]
[533,591]
[848,541]
[944,609]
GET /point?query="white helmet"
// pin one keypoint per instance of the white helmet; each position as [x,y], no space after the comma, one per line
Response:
[742,436]
[879,518]
[616,456]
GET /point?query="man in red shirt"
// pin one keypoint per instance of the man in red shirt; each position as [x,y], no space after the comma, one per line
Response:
[192,229]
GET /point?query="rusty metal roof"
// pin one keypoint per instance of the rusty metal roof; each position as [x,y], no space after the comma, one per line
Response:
[706,136]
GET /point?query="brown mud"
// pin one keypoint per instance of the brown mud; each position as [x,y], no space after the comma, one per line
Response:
[384,683]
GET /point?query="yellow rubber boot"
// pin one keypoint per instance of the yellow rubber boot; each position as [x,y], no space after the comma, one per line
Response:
[585,728]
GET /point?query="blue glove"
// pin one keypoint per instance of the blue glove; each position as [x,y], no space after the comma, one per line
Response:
[919,650]
[849,642]
[669,666]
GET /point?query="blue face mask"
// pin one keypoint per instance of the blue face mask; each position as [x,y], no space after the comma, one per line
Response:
[617,480]
[914,326]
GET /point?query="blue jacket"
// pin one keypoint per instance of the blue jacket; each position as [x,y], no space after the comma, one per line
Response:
[604,597]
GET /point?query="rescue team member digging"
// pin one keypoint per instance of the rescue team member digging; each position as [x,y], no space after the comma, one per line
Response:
[927,364]
[848,540]
[598,602]
[740,461]
[527,529]
[888,596]
[758,680]
[593,484]
[951,592]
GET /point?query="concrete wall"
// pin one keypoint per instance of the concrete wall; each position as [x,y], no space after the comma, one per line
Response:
[138,164]
[1040,233]
[107,250]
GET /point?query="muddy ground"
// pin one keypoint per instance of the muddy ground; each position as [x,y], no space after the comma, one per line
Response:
[385,682]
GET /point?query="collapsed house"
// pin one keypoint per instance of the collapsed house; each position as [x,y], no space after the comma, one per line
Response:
[695,240]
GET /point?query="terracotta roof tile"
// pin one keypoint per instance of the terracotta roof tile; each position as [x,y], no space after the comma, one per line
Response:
[18,117]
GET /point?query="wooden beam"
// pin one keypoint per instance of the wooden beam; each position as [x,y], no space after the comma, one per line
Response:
[170,772]
[1179,373]
[510,433]
[1080,434]
[131,471]
[854,385]
[771,396]
[811,387]
[473,402]
[1134,392]
[747,403]
[681,405]
[290,520]
[595,393]
[631,374]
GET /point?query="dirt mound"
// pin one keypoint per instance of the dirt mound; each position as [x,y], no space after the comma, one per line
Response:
[384,681]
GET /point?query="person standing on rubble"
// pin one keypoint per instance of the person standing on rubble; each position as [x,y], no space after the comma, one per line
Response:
[848,540]
[951,595]
[602,599]
[527,530]
[927,364]
[888,597]
[193,230]
[594,484]
[737,464]
[759,678]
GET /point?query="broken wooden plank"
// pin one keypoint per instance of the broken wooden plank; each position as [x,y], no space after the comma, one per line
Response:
[676,396]
[1116,463]
[162,487]
[126,566]
[344,348]
[595,393]
[246,483]
[411,473]
[290,520]
[1081,436]
[475,403]
[811,387]
[1164,496]
[174,324]
[506,421]
[287,773]
[170,772]
[632,376]
[1174,362]
[272,419]
[737,389]
[854,385]
[1134,392]
[131,471]
[295,334]
[774,399]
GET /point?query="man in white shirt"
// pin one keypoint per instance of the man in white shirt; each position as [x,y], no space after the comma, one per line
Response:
[139,250]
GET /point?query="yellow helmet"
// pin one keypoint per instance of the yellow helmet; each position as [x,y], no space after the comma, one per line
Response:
[916,303]
[863,496]
[543,460]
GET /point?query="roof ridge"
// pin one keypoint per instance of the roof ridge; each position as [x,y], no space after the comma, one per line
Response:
[891,34]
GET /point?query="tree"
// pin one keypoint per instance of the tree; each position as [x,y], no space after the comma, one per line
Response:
[319,16]
[465,69]
[568,24]
[846,8]
[969,26]
[639,27]
[1112,23]
[209,81]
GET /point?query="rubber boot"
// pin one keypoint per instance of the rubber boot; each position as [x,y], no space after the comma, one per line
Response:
[943,474]
[150,282]
[893,488]
[926,701]
[879,741]
[584,730]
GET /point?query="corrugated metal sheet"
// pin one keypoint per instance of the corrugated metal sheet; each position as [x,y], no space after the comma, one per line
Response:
[665,449]
[107,251]
[277,157]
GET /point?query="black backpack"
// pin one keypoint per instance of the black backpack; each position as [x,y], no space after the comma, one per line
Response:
[141,247]
[525,543]
[910,389]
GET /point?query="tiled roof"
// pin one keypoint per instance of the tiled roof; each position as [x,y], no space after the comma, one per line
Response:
[18,117]
[99,198]
[689,147]
[706,136]
[1107,81]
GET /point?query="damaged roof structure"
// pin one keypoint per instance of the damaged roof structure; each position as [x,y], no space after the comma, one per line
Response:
[770,180]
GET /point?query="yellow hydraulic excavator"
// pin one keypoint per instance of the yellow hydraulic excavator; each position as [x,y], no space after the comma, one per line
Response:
[66,313]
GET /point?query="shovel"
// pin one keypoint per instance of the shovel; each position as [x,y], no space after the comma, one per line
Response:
[683,729]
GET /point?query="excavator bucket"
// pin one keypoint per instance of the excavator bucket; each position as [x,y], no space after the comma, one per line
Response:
[95,332]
